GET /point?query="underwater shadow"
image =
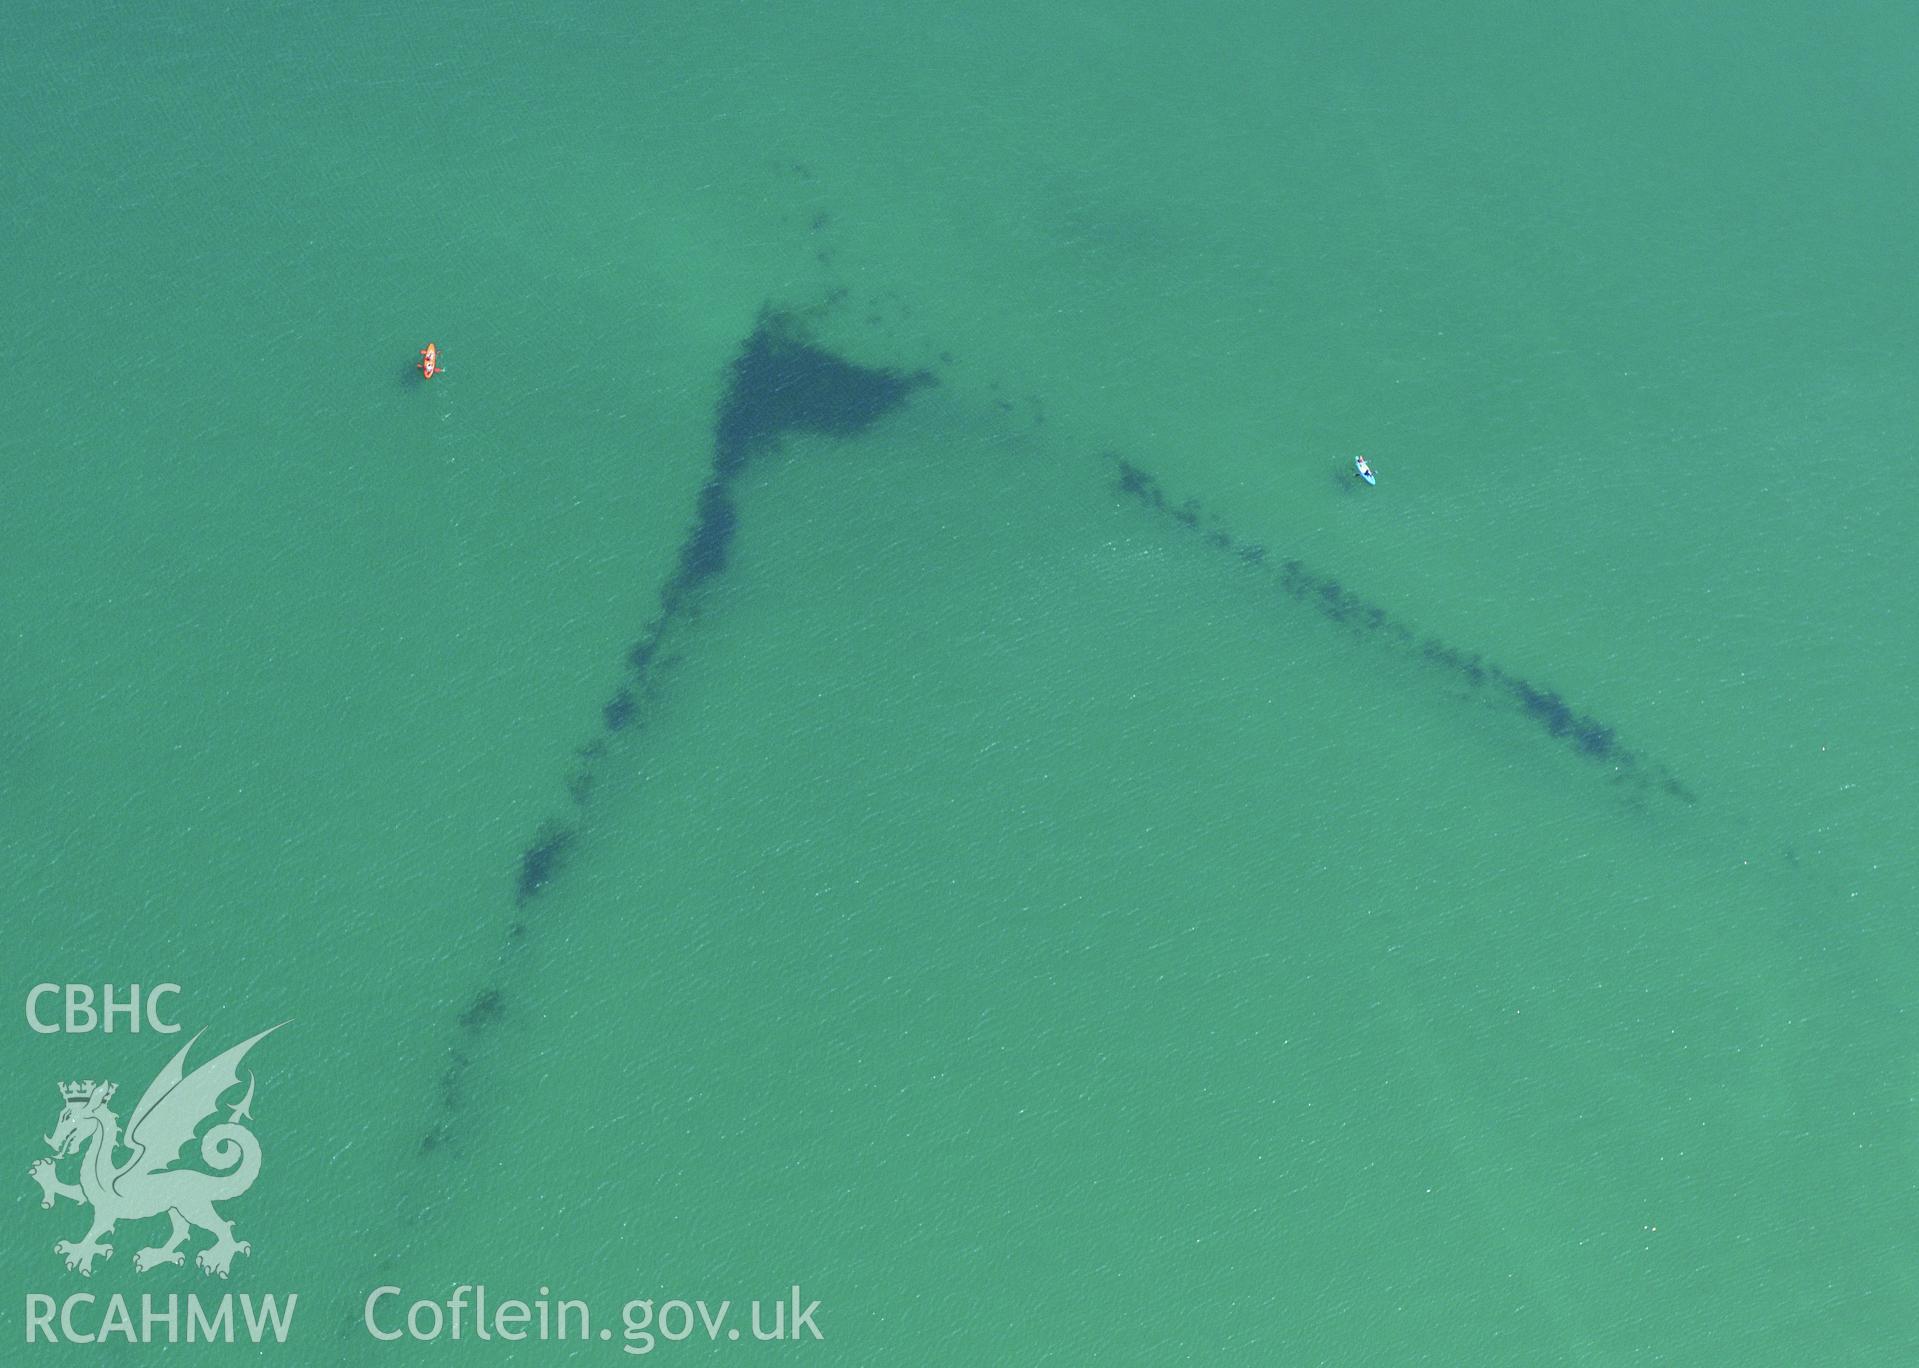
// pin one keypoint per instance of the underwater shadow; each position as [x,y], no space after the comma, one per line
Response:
[780,384]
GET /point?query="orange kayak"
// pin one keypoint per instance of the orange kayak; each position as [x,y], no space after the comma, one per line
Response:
[430,360]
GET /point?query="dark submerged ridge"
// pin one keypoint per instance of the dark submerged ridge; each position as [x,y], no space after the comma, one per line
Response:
[1584,734]
[780,383]
[783,383]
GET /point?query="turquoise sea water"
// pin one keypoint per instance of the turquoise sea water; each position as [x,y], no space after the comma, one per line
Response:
[1017,922]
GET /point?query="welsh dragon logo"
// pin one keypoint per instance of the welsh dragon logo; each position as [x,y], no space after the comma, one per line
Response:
[170,1111]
